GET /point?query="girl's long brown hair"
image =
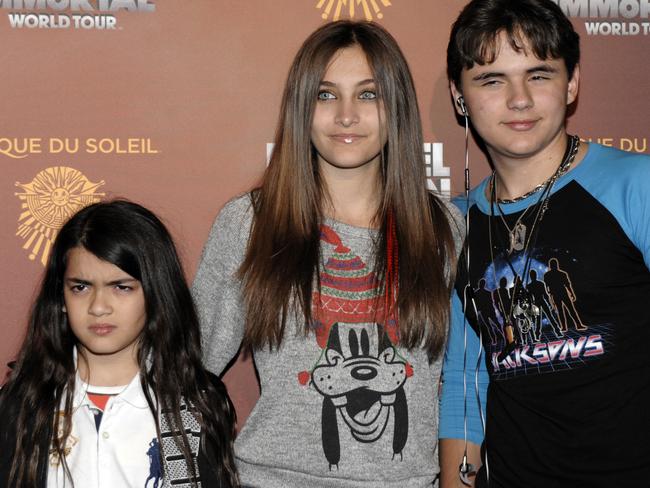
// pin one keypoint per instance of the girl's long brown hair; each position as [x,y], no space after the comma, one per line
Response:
[280,269]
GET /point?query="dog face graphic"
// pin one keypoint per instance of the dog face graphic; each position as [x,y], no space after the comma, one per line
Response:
[359,357]
[361,379]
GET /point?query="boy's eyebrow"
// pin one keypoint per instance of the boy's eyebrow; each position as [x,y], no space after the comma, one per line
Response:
[489,74]
[540,68]
[544,68]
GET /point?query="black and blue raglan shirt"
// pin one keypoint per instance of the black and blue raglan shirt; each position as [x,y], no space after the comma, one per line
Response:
[569,403]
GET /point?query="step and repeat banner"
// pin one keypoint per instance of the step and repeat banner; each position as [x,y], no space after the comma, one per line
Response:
[173,104]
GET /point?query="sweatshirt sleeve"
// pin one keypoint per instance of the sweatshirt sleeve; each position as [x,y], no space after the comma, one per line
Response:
[217,290]
[460,361]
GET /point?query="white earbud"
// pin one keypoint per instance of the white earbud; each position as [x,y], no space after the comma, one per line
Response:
[466,470]
[460,101]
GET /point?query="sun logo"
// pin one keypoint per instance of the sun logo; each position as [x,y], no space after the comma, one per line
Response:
[370,8]
[48,201]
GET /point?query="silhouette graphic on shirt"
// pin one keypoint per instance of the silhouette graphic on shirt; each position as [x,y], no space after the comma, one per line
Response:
[502,299]
[562,296]
[539,295]
[486,312]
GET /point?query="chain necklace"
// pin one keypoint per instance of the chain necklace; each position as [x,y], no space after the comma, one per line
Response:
[518,289]
[517,234]
[569,156]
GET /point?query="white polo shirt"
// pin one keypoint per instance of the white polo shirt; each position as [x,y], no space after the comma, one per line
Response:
[122,453]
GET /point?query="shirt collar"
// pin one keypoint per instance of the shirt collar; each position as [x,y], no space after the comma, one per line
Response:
[131,394]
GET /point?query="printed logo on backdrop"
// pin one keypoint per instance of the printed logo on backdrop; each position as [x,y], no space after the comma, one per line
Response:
[70,14]
[629,144]
[21,147]
[354,9]
[48,201]
[624,17]
[438,175]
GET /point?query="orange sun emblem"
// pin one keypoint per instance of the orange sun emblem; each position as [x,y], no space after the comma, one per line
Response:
[333,9]
[48,201]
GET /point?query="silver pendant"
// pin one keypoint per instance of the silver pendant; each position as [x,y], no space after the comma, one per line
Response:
[517,238]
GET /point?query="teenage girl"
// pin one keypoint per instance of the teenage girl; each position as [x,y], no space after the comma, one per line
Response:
[108,388]
[336,272]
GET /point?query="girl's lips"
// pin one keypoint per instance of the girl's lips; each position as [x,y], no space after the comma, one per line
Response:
[346,138]
[102,329]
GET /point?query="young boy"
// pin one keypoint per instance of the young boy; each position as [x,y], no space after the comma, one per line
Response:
[560,234]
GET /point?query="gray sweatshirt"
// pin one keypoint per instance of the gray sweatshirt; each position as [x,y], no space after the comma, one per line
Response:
[339,407]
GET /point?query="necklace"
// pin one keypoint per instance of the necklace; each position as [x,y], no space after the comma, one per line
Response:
[569,156]
[521,307]
[519,298]
[517,234]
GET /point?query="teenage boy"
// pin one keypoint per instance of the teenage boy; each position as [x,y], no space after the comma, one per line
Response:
[567,224]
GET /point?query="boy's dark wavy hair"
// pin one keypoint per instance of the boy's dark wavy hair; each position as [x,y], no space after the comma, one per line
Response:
[43,379]
[539,25]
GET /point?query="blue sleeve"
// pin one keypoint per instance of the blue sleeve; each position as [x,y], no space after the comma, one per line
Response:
[632,208]
[620,181]
[452,403]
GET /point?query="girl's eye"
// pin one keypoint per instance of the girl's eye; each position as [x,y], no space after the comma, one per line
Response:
[78,288]
[368,95]
[539,77]
[325,95]
[123,288]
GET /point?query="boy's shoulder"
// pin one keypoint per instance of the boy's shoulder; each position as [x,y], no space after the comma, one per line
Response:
[616,161]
